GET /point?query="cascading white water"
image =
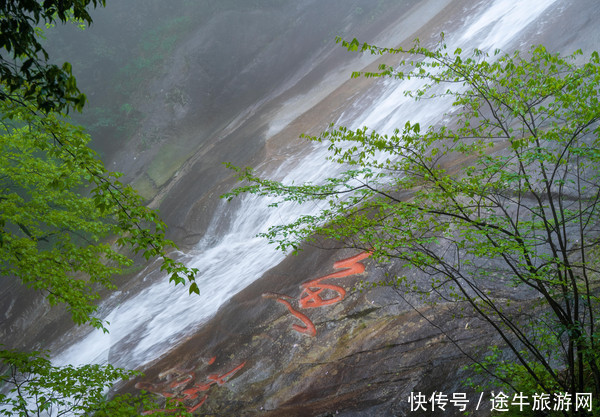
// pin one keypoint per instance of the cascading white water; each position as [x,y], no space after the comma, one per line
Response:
[231,257]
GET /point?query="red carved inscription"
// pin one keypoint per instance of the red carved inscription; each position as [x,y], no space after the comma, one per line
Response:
[316,293]
[175,387]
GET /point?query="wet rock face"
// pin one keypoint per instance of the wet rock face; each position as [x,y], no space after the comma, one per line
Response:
[366,354]
[280,347]
[220,89]
[310,344]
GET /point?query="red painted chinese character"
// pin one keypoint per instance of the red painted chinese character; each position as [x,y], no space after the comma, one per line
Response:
[311,290]
[190,394]
[351,264]
[221,379]
[181,377]
[313,295]
[308,328]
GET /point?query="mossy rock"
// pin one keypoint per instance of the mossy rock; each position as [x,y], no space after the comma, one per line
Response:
[167,161]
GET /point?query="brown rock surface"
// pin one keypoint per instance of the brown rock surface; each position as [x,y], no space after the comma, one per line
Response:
[371,349]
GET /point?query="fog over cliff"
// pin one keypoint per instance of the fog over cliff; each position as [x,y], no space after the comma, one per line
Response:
[177,88]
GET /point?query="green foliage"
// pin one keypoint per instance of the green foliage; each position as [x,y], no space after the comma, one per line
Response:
[522,213]
[126,405]
[58,206]
[52,87]
[49,231]
[67,225]
[512,376]
[36,387]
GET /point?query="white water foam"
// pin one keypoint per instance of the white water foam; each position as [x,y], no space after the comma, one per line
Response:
[150,323]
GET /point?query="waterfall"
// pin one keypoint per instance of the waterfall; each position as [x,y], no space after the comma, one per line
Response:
[230,256]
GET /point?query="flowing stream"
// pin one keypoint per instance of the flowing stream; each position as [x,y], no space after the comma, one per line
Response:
[230,256]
